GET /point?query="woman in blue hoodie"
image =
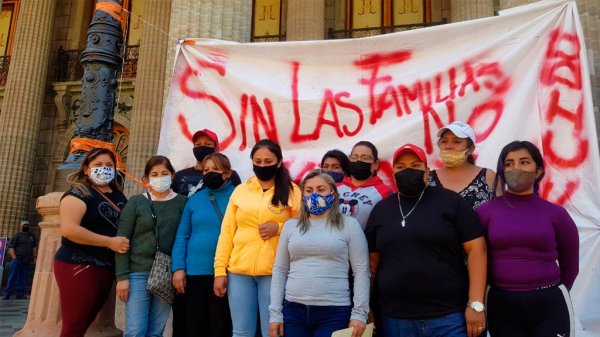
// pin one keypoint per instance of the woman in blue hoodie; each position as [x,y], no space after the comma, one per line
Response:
[194,251]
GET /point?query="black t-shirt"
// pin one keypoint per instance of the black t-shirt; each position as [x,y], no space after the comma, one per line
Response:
[421,272]
[100,217]
[23,244]
[187,181]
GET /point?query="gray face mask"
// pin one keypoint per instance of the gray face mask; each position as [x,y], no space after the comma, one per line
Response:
[519,180]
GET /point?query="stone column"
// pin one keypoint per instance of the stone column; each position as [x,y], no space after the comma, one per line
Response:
[149,90]
[462,10]
[221,19]
[43,316]
[305,20]
[22,110]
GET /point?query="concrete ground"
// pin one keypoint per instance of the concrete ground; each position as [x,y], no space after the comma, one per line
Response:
[13,314]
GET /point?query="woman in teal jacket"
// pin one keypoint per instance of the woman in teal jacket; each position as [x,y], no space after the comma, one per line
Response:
[194,251]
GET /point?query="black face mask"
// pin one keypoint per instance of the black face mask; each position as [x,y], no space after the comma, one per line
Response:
[360,170]
[213,180]
[25,229]
[410,182]
[202,151]
[265,173]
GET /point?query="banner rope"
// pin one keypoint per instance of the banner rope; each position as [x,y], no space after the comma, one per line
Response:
[177,40]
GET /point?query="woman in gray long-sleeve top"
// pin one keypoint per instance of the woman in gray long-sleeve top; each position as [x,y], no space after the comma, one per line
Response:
[310,292]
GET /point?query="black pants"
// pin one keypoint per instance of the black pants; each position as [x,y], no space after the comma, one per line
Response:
[206,314]
[179,325]
[539,313]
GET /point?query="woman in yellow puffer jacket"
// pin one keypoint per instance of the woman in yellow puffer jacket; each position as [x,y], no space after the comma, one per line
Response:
[250,232]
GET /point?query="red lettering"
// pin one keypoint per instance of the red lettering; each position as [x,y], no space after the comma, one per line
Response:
[469,80]
[577,159]
[495,107]
[554,110]
[452,86]
[183,125]
[374,62]
[258,120]
[547,185]
[328,101]
[338,100]
[558,58]
[199,94]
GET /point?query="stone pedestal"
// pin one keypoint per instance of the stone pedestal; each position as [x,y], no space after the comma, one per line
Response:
[44,318]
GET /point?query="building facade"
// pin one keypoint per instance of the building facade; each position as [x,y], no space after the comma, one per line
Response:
[40,72]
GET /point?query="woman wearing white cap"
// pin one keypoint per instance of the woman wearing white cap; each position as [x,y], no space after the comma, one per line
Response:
[459,173]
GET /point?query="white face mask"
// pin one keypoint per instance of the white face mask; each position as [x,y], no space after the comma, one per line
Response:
[160,184]
[102,176]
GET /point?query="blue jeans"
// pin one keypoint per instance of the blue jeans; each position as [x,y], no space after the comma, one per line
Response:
[452,325]
[248,296]
[19,272]
[301,320]
[145,314]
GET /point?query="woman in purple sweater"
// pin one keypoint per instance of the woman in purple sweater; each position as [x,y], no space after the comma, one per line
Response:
[533,250]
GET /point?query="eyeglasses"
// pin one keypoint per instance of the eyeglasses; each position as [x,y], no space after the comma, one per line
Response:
[362,157]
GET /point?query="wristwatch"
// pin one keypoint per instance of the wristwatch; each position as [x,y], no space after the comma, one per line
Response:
[477,306]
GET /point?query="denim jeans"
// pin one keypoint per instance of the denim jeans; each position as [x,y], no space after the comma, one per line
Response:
[301,320]
[19,272]
[145,314]
[452,325]
[249,296]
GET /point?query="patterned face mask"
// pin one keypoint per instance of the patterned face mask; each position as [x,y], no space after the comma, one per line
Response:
[453,158]
[317,204]
[102,175]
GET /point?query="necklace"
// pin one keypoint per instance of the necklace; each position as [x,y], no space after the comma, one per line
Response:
[411,210]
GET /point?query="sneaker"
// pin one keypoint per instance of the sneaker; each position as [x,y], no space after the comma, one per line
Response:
[21,297]
[6,297]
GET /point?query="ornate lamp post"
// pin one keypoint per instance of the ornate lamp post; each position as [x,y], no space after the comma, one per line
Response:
[101,60]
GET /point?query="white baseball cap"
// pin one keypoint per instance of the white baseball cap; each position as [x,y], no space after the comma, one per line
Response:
[459,129]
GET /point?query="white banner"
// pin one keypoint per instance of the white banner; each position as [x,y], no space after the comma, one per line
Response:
[520,76]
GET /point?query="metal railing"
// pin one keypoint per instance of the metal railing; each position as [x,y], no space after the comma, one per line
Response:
[372,31]
[4,65]
[268,38]
[69,68]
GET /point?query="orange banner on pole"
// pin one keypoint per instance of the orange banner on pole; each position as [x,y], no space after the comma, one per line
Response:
[86,144]
[115,10]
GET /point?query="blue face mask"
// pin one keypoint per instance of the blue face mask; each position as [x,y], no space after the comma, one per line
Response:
[337,176]
[317,204]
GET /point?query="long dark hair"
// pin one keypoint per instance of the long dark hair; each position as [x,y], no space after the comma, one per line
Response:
[81,182]
[535,153]
[283,181]
[341,157]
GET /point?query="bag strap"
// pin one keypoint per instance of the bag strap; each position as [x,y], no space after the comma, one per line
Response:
[107,199]
[154,220]
[213,200]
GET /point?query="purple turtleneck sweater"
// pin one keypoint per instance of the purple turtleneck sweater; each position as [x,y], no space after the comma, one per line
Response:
[527,236]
